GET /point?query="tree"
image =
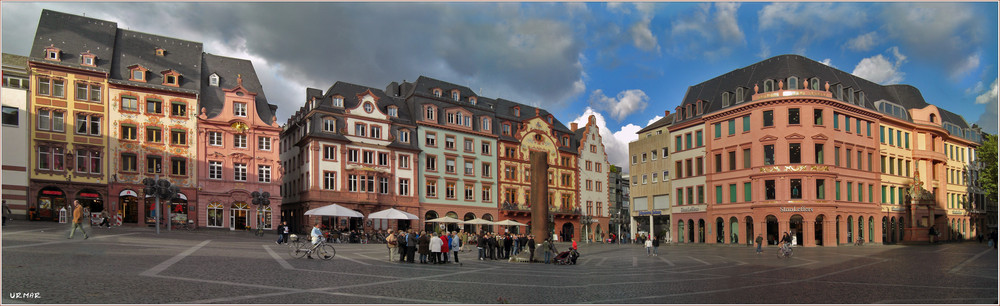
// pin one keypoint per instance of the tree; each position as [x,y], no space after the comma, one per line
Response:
[987,156]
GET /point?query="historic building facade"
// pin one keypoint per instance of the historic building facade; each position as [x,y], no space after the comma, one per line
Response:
[593,169]
[238,154]
[68,106]
[800,147]
[457,139]
[353,146]
[153,92]
[650,172]
[690,207]
[14,95]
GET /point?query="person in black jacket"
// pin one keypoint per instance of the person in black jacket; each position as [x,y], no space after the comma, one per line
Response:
[411,245]
[531,247]
[508,242]
[495,244]
[481,246]
[401,245]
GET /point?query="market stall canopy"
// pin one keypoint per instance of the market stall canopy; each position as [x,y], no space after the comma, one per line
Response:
[334,210]
[392,213]
[479,221]
[509,222]
[445,220]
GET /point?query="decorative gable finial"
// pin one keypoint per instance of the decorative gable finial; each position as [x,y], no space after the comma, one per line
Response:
[537,112]
[239,79]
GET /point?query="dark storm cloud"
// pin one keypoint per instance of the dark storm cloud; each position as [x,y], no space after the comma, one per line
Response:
[531,55]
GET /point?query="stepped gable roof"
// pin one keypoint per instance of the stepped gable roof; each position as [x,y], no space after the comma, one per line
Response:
[137,48]
[74,35]
[229,70]
[658,124]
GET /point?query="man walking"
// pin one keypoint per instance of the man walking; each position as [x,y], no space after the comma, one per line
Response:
[759,240]
[77,220]
[283,233]
[531,248]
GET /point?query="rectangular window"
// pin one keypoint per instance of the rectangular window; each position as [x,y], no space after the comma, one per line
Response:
[697,139]
[240,141]
[679,169]
[836,121]
[44,86]
[884,194]
[240,172]
[486,148]
[264,174]
[732,193]
[153,134]
[819,153]
[892,195]
[58,88]
[836,190]
[899,137]
[687,142]
[732,160]
[154,106]
[81,161]
[718,163]
[404,187]
[698,166]
[215,170]
[352,183]
[178,109]
[881,134]
[747,192]
[847,123]
[689,167]
[859,159]
[449,165]
[769,192]
[677,145]
[732,126]
[215,138]
[329,180]
[907,138]
[376,131]
[847,158]
[178,166]
[153,164]
[768,154]
[768,118]
[820,189]
[450,191]
[746,123]
[868,128]
[818,117]
[794,153]
[368,157]
[718,194]
[907,173]
[850,196]
[796,189]
[718,130]
[128,132]
[680,195]
[449,142]
[264,143]
[81,124]
[240,109]
[178,137]
[383,185]
[701,194]
[44,121]
[746,158]
[891,142]
[836,156]
[360,130]
[130,104]
[430,140]
[793,116]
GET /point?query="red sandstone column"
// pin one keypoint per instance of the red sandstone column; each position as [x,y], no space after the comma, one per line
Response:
[539,165]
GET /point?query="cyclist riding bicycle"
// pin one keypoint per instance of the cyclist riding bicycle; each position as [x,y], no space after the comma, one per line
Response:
[316,234]
[786,244]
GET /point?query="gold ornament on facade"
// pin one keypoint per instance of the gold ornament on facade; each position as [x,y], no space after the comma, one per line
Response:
[240,127]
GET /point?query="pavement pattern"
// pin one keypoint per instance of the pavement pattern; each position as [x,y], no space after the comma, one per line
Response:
[135,265]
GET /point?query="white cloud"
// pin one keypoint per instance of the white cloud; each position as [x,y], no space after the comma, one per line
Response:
[946,34]
[863,43]
[988,96]
[806,23]
[651,121]
[880,70]
[624,104]
[969,64]
[711,30]
[616,142]
[765,50]
[975,89]
[642,36]
[828,62]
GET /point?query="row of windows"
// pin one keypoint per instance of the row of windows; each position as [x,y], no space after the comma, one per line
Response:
[854,191]
[895,166]
[430,140]
[688,141]
[652,155]
[901,139]
[591,184]
[154,106]
[239,141]
[53,87]
[510,195]
[510,174]
[450,166]
[52,158]
[154,164]
[239,172]
[364,183]
[155,134]
[458,118]
[11,81]
[954,152]
[450,191]
[600,209]
[645,178]
[957,201]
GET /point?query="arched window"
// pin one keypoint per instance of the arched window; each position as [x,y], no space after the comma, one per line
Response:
[739,94]
[793,83]
[725,99]
[814,83]
[933,118]
[768,85]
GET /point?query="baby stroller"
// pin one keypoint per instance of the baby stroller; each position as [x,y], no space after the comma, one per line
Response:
[567,257]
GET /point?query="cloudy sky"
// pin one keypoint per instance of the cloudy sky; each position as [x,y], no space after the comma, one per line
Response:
[623,62]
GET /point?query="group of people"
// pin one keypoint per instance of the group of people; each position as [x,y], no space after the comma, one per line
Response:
[433,248]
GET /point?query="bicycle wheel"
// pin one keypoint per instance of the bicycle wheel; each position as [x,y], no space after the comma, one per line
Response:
[298,249]
[326,252]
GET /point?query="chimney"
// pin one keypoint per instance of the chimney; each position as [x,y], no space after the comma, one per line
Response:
[666,113]
[572,126]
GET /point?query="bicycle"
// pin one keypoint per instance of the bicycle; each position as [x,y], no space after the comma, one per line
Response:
[259,232]
[785,251]
[184,225]
[301,248]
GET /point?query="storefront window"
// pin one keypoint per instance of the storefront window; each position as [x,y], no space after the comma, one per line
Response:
[215,214]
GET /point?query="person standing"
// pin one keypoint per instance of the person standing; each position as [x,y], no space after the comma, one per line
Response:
[760,241]
[507,244]
[480,245]
[411,246]
[390,242]
[435,247]
[456,244]
[531,248]
[445,247]
[546,247]
[656,245]
[401,243]
[424,246]
[283,233]
[649,247]
[77,220]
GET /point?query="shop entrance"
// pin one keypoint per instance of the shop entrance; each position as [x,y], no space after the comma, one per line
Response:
[128,206]
[50,201]
[795,226]
[751,236]
[772,230]
[239,216]
[819,230]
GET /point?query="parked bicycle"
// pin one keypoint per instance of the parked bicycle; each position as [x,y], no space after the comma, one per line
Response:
[301,247]
[189,225]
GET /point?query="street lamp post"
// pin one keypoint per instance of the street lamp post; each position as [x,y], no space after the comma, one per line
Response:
[261,200]
[160,189]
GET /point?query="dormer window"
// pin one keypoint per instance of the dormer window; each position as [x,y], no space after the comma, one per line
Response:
[565,141]
[437,92]
[793,83]
[455,95]
[88,59]
[517,112]
[850,95]
[838,92]
[138,73]
[472,100]
[768,85]
[486,124]
[725,99]
[52,53]
[698,107]
[171,77]
[429,113]
[550,119]
[739,95]
[213,80]
[160,52]
[933,118]
[814,83]
[393,111]
[240,109]
[369,107]
[338,101]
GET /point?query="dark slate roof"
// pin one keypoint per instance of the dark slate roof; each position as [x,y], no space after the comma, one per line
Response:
[74,35]
[783,66]
[15,64]
[228,69]
[659,123]
[425,85]
[136,48]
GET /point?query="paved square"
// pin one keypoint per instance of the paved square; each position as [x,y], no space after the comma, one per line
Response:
[134,265]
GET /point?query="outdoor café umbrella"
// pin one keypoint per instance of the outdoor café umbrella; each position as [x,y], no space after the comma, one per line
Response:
[445,220]
[334,210]
[510,222]
[479,221]
[392,213]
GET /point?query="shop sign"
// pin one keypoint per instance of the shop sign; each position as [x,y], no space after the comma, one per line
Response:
[794,168]
[127,192]
[957,212]
[647,213]
[89,195]
[52,192]
[898,209]
[692,209]
[795,209]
